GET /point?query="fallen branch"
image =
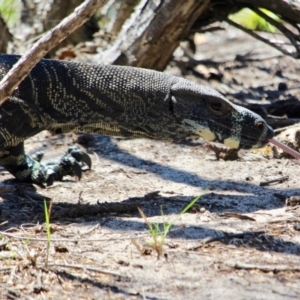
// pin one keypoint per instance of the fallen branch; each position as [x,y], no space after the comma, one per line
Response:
[92,210]
[51,39]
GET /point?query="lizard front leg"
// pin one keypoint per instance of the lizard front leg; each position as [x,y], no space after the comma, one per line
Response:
[30,169]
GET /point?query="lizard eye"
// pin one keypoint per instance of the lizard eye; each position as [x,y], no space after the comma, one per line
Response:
[216,106]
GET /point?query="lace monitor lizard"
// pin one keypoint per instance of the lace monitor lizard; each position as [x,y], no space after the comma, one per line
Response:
[62,96]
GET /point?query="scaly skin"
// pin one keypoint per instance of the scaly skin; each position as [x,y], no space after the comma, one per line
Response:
[62,96]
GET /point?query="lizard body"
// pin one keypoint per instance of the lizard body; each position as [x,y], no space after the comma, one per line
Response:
[62,96]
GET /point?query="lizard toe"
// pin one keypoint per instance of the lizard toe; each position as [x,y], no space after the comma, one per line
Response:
[76,169]
[70,166]
[38,155]
[80,156]
[55,171]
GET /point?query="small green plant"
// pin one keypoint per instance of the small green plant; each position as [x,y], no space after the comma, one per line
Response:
[249,19]
[48,228]
[159,234]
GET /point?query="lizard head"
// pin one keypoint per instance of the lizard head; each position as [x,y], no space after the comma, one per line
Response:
[204,112]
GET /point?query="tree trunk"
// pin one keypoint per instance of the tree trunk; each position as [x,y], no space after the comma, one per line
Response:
[125,10]
[149,38]
[156,27]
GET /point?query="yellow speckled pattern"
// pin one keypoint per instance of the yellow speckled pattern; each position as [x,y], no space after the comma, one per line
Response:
[232,143]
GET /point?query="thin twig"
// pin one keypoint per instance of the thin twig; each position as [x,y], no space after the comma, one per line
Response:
[265,268]
[90,230]
[257,36]
[86,267]
[22,68]
[3,223]
[5,269]
[286,32]
[30,239]
[14,292]
[279,180]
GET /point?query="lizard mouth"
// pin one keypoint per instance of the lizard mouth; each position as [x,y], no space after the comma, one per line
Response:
[250,143]
[269,135]
[247,141]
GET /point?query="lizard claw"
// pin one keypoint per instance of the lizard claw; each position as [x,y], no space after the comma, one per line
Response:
[32,170]
[69,164]
[76,168]
[50,180]
[80,156]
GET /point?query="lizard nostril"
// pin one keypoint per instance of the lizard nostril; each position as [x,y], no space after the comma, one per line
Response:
[260,125]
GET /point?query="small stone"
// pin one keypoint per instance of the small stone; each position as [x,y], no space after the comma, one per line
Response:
[282,86]
[297,226]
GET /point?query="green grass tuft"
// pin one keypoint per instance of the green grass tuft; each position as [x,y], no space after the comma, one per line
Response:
[48,230]
[158,232]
